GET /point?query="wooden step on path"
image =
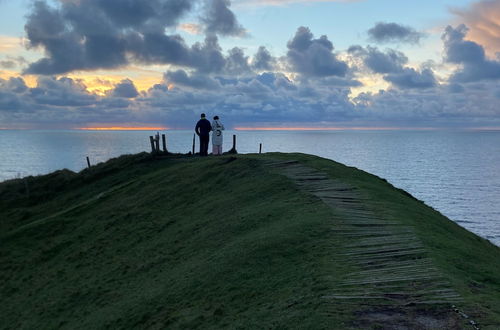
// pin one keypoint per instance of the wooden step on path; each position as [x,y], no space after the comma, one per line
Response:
[392,265]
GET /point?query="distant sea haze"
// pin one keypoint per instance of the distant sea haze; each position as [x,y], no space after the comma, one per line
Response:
[455,171]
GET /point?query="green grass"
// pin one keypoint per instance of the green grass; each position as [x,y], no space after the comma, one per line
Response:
[203,243]
[471,263]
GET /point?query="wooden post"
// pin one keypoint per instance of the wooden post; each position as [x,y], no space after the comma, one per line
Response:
[164,140]
[260,148]
[233,149]
[151,139]
[88,161]
[194,136]
[157,141]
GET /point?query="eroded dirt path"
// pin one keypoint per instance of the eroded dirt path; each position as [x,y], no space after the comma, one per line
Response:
[394,278]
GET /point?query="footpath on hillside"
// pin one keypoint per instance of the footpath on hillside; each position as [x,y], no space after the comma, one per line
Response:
[394,270]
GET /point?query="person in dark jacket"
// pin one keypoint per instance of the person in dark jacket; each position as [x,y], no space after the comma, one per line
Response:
[203,129]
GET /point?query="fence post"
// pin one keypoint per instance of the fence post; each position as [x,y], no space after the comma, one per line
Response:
[260,148]
[164,140]
[88,161]
[194,136]
[151,139]
[233,149]
[157,141]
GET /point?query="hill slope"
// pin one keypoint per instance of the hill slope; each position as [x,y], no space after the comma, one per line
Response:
[251,241]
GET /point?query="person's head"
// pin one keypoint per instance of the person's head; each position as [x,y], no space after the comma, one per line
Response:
[216,118]
[202,115]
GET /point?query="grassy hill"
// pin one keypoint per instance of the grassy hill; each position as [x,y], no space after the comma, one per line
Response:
[231,242]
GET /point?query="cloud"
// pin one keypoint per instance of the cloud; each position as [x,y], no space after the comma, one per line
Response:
[263,60]
[11,62]
[14,84]
[391,64]
[191,28]
[97,34]
[482,18]
[221,20]
[393,32]
[237,62]
[470,55]
[313,57]
[311,83]
[125,88]
[195,81]
[473,106]
[259,3]
[410,78]
[207,56]
[60,92]
[8,64]
[270,98]
[10,44]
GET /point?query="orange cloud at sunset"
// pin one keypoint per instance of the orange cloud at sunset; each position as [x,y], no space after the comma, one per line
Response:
[101,82]
[190,28]
[483,20]
[10,44]
[30,80]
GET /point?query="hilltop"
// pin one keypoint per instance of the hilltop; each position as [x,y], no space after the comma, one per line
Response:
[239,241]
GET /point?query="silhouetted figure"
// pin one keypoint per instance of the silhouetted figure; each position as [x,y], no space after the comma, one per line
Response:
[203,129]
[217,129]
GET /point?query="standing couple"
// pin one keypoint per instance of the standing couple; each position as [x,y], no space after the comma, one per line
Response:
[203,128]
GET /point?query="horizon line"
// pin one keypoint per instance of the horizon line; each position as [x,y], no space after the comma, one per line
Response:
[263,128]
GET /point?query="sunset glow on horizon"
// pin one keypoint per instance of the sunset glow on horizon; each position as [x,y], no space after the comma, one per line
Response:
[367,128]
[122,128]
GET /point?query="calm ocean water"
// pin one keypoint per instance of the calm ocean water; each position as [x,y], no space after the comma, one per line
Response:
[456,172]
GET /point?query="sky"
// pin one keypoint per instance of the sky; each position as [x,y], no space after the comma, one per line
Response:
[67,64]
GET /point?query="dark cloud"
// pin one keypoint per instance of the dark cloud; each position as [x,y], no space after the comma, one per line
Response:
[62,92]
[379,62]
[432,107]
[393,32]
[195,81]
[151,48]
[207,57]
[109,34]
[341,82]
[9,102]
[144,15]
[470,55]
[410,78]
[125,89]
[219,19]
[14,84]
[56,101]
[391,64]
[11,62]
[263,60]
[313,57]
[237,62]
[265,98]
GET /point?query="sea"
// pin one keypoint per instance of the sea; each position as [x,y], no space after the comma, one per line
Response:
[457,172]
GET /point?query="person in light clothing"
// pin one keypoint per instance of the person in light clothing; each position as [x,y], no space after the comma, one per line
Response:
[217,129]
